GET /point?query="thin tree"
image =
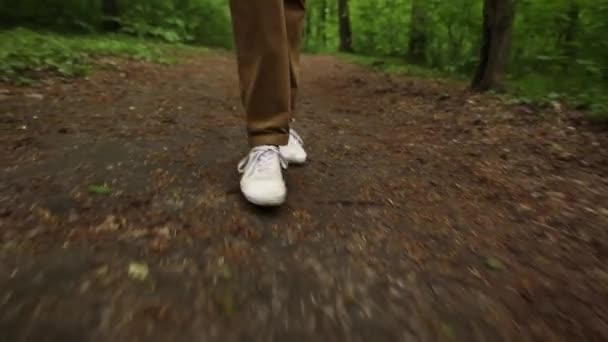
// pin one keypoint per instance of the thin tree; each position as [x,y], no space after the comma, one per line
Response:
[570,32]
[418,33]
[498,17]
[323,23]
[346,36]
[111,14]
[308,29]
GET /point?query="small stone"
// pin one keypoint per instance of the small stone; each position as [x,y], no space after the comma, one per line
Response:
[35,96]
[411,278]
[84,287]
[601,275]
[164,232]
[523,208]
[556,106]
[556,195]
[73,216]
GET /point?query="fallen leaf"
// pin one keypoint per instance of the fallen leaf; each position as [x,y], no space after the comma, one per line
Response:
[110,224]
[138,271]
[100,189]
[228,304]
[164,232]
[494,263]
[102,271]
[159,245]
[134,234]
[448,331]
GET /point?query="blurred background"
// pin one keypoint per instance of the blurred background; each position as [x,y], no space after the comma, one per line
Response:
[558,48]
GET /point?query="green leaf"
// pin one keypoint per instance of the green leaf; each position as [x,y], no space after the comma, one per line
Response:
[100,189]
[228,303]
[138,271]
[494,263]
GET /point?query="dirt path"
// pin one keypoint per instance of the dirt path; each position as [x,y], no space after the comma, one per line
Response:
[425,214]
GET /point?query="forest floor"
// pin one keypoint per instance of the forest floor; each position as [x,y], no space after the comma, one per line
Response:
[426,212]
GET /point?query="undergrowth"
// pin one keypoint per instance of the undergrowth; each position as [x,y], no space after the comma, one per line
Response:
[529,90]
[26,56]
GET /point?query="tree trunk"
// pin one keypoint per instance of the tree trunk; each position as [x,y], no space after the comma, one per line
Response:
[111,14]
[308,29]
[418,33]
[571,28]
[498,17]
[323,23]
[346,36]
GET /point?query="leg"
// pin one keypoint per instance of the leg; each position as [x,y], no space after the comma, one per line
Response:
[294,20]
[264,68]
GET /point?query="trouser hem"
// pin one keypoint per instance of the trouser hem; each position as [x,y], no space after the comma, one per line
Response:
[277,139]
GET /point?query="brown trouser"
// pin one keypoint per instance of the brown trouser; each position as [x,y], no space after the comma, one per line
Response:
[267,36]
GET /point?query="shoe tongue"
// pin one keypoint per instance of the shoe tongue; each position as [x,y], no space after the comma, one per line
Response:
[264,148]
[264,153]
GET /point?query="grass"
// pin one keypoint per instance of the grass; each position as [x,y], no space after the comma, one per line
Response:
[397,66]
[26,56]
[586,95]
[531,89]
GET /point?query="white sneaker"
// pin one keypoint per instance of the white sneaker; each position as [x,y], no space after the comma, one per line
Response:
[294,151]
[262,180]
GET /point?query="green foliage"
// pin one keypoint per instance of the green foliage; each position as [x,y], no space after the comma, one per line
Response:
[81,15]
[190,21]
[559,46]
[535,89]
[398,66]
[26,55]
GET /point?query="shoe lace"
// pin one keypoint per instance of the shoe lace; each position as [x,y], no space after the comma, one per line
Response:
[296,136]
[260,159]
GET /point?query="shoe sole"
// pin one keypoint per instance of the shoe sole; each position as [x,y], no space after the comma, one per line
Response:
[266,203]
[297,162]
